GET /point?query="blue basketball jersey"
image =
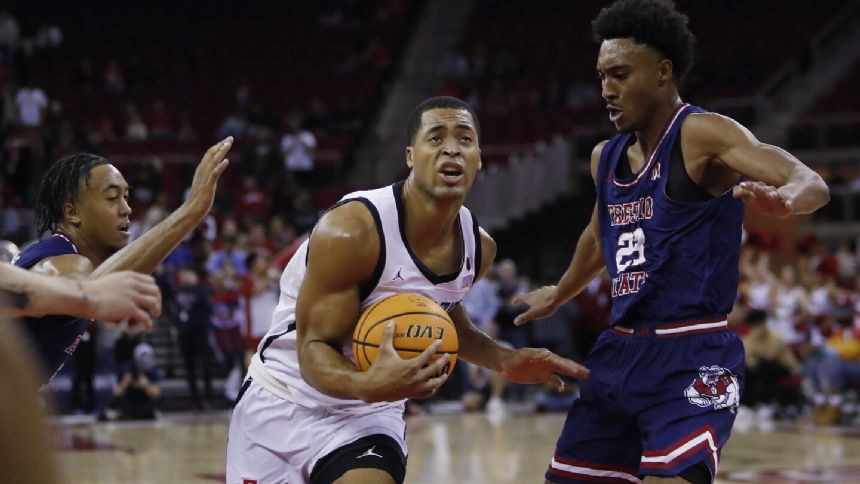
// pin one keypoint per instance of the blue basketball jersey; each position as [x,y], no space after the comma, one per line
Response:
[54,338]
[668,260]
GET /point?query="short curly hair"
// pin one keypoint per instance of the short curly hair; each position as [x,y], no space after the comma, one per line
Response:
[656,23]
[60,185]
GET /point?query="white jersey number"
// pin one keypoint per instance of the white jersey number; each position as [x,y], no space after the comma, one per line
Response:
[631,249]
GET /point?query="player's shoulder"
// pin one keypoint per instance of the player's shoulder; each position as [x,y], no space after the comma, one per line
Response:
[51,247]
[595,156]
[708,126]
[350,225]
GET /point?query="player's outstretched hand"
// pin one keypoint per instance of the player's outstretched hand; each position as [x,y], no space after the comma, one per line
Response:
[206,177]
[540,303]
[123,296]
[540,365]
[391,378]
[764,198]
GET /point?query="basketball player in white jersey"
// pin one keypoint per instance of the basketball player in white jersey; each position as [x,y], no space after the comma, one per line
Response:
[306,414]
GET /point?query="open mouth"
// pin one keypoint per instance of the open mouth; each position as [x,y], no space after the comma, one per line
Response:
[124,228]
[451,174]
[614,113]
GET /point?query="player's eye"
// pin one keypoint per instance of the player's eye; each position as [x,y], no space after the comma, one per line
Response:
[436,138]
[467,139]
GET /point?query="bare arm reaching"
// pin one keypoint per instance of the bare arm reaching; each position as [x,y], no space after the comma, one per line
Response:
[124,295]
[586,264]
[342,253]
[780,184]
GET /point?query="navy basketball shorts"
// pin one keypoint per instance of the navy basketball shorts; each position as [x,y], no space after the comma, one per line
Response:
[660,399]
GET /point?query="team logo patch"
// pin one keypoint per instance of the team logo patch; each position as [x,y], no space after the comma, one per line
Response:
[466,283]
[715,386]
[655,173]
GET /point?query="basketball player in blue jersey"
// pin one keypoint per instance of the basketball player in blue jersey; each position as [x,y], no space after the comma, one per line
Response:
[666,377]
[306,413]
[83,202]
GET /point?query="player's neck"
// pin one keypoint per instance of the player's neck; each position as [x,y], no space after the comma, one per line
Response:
[648,137]
[428,221]
[87,247]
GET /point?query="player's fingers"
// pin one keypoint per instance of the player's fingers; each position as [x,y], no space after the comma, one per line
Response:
[430,386]
[527,316]
[146,285]
[556,382]
[519,298]
[563,366]
[220,169]
[151,304]
[386,342]
[422,359]
[139,317]
[223,148]
[436,367]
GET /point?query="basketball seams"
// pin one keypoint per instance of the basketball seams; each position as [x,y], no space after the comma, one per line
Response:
[410,350]
[358,331]
[425,310]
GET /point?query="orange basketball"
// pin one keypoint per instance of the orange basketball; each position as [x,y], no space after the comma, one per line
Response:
[418,320]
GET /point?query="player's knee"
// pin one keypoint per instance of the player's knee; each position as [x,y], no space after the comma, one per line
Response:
[365,476]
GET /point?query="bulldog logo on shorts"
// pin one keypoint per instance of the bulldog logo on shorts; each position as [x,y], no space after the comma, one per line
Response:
[715,386]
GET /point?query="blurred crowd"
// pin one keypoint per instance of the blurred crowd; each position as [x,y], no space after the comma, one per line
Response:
[800,322]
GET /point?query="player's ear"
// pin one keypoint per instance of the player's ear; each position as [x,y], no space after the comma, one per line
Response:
[665,70]
[409,161]
[71,213]
[480,163]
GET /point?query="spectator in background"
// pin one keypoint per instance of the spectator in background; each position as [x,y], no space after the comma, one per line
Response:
[113,79]
[304,214]
[281,234]
[229,253]
[253,201]
[228,317]
[10,35]
[258,240]
[136,394]
[186,132]
[260,293]
[135,128]
[770,369]
[193,315]
[297,147]
[846,257]
[160,122]
[31,103]
[509,285]
[235,125]
[48,36]
[790,303]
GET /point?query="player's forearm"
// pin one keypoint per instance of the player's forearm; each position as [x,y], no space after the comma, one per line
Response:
[479,349]
[144,254]
[329,371]
[806,190]
[27,293]
[586,264]
[474,345]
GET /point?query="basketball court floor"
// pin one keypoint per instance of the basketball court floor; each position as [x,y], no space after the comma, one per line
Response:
[473,448]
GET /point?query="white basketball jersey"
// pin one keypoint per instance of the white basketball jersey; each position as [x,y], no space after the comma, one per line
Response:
[398,271]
